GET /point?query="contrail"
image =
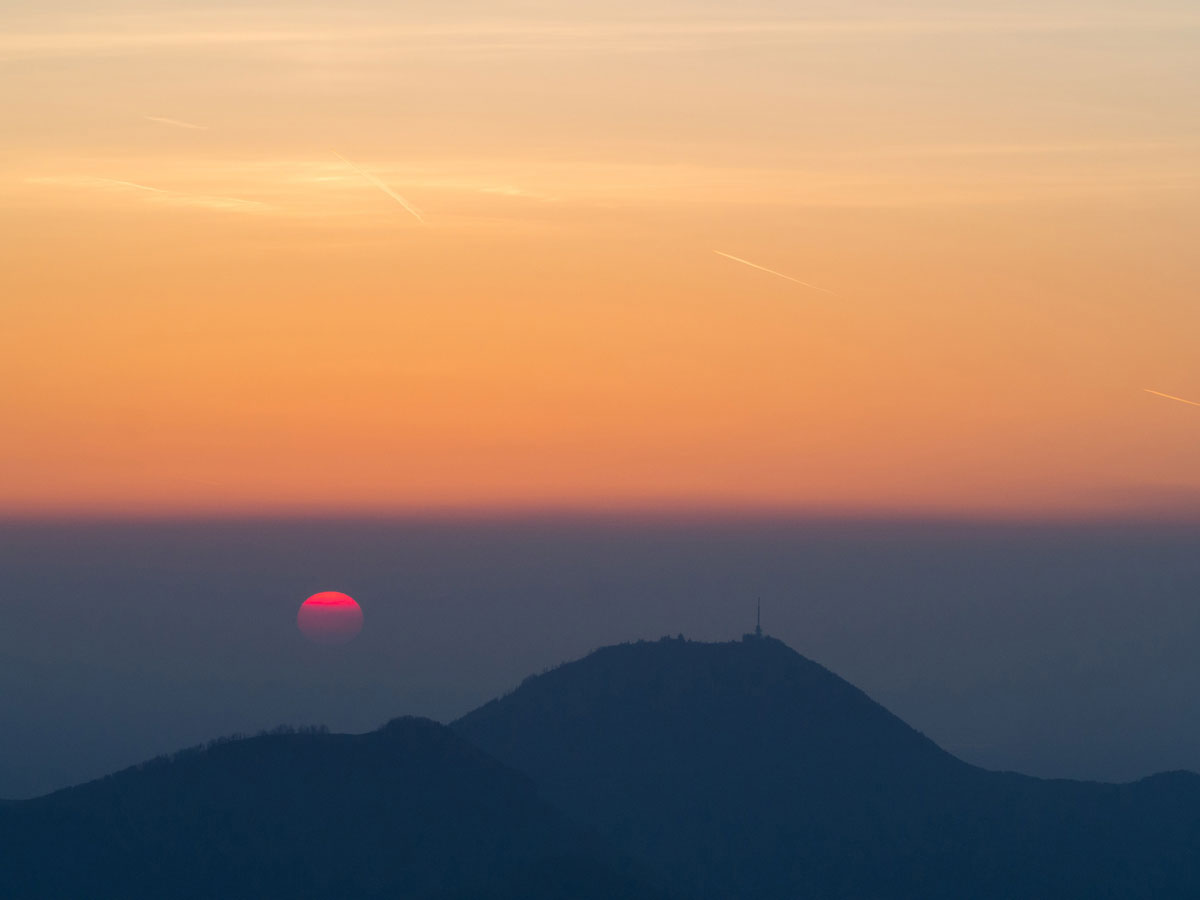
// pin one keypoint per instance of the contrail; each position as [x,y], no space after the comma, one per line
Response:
[746,262]
[383,187]
[176,198]
[1171,397]
[132,184]
[176,123]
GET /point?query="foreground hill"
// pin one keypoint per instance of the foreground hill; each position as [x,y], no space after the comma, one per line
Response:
[409,811]
[745,770]
[737,770]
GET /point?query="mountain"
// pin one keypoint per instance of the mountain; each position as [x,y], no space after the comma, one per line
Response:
[409,811]
[736,770]
[745,770]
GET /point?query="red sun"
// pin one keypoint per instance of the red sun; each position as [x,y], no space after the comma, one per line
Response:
[329,617]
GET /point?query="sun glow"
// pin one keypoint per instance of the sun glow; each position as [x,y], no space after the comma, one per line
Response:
[330,617]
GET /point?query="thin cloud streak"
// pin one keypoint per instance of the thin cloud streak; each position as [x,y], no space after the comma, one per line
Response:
[383,187]
[175,123]
[470,36]
[746,262]
[997,149]
[174,198]
[1171,397]
[94,183]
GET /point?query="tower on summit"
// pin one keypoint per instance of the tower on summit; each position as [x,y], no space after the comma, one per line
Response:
[757,635]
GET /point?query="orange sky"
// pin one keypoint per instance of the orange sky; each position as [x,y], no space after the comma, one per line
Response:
[205,309]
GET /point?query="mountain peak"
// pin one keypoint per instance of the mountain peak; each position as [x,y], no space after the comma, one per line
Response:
[648,696]
[735,769]
[764,775]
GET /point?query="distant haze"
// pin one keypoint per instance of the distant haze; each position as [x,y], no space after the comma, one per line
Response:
[1052,650]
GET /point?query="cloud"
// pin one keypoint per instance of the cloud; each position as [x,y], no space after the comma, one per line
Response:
[137,36]
[416,213]
[746,262]
[176,123]
[1063,149]
[158,195]
[1171,397]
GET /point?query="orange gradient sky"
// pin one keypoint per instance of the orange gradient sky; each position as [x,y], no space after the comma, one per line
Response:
[206,310]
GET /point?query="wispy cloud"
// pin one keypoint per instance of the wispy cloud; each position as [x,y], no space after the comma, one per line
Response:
[1171,397]
[746,262]
[1063,149]
[158,195]
[167,32]
[87,181]
[416,213]
[290,186]
[176,123]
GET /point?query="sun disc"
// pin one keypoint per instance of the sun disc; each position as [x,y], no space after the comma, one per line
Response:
[330,617]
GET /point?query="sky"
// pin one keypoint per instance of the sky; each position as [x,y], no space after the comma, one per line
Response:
[296,258]
[539,326]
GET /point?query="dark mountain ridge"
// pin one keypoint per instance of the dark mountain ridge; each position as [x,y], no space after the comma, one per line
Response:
[743,769]
[408,811]
[732,770]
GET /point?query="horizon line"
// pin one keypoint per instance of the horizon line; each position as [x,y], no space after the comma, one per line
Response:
[1185,516]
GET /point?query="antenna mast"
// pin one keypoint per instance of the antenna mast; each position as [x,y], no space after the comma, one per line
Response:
[758,620]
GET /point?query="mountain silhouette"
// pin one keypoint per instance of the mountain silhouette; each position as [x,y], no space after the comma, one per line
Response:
[670,768]
[408,811]
[744,770]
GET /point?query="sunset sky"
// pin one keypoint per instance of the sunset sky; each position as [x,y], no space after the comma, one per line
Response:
[209,306]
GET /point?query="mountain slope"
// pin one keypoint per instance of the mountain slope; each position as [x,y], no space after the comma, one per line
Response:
[744,769]
[409,811]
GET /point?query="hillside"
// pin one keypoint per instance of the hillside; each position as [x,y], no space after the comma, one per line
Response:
[744,769]
[706,771]
[409,811]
